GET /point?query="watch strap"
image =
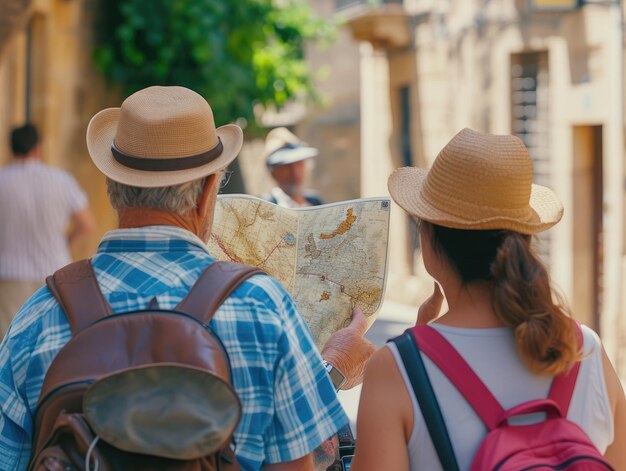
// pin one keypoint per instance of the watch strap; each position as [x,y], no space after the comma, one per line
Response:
[336,375]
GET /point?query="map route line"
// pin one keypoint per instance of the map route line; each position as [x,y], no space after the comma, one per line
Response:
[235,259]
[272,251]
[221,246]
[325,278]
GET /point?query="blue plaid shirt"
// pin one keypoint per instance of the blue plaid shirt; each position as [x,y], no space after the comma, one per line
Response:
[289,404]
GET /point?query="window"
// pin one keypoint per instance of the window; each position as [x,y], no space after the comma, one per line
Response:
[530,119]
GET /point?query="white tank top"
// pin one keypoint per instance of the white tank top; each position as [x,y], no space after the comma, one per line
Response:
[491,354]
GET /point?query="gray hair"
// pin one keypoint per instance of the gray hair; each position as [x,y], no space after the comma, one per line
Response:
[178,199]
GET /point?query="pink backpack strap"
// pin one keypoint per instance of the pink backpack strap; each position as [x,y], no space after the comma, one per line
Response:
[563,385]
[451,363]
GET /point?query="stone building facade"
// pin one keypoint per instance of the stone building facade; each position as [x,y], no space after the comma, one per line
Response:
[550,72]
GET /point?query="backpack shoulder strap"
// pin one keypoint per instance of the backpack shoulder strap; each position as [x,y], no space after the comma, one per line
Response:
[76,289]
[453,365]
[215,284]
[563,385]
[426,399]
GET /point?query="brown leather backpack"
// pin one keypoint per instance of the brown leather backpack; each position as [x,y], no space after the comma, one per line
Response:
[144,390]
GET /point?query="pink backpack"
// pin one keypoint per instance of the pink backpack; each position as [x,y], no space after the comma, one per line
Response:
[554,443]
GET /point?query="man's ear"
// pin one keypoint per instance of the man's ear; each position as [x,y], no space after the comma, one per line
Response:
[205,197]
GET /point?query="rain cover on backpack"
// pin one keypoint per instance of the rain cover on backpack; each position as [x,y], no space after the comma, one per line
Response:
[144,390]
[553,443]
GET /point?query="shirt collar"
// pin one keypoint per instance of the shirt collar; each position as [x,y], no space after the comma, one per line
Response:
[151,239]
[27,162]
[283,199]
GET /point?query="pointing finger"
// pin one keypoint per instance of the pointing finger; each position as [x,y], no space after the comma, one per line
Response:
[359,321]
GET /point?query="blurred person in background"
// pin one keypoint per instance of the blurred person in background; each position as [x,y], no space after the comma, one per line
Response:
[37,205]
[478,210]
[289,160]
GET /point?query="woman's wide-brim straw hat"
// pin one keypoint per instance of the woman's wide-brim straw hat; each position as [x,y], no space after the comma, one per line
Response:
[161,136]
[478,182]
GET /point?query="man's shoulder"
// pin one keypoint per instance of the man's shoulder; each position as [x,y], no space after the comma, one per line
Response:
[50,174]
[59,174]
[264,289]
[263,301]
[39,313]
[268,197]
[38,331]
[313,197]
[7,171]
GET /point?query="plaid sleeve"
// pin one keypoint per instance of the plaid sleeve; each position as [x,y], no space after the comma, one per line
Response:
[14,440]
[306,408]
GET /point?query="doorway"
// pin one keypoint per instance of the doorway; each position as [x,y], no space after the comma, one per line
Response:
[587,231]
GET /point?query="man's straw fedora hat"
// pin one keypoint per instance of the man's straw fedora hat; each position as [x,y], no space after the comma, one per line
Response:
[161,136]
[283,147]
[478,181]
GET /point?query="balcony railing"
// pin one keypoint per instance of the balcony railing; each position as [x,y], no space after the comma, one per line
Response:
[343,4]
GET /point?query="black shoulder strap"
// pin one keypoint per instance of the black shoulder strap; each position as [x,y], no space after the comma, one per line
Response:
[215,284]
[76,289]
[427,400]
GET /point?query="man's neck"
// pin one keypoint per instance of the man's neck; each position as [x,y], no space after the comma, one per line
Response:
[26,158]
[142,217]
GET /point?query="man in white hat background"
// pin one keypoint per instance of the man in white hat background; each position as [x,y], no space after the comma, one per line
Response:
[164,161]
[289,160]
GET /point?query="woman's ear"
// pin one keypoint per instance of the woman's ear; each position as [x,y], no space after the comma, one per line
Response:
[425,231]
[432,260]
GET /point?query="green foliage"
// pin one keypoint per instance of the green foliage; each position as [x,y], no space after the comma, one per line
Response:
[233,52]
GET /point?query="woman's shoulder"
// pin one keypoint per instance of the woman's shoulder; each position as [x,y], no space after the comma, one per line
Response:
[383,372]
[591,339]
[592,354]
[382,359]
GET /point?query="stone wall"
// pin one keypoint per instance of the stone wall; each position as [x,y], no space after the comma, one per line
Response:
[13,13]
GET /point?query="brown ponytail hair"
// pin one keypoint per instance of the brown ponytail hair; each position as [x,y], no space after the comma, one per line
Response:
[523,298]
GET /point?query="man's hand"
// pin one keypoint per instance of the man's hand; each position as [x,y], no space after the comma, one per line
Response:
[430,309]
[348,351]
[326,454]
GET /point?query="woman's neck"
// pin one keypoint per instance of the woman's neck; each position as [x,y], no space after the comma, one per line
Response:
[469,305]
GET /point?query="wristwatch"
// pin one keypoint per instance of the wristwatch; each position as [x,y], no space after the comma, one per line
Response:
[336,376]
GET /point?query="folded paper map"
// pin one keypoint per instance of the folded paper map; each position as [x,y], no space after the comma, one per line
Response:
[329,257]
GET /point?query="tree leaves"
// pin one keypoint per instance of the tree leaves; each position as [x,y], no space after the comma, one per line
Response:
[234,53]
